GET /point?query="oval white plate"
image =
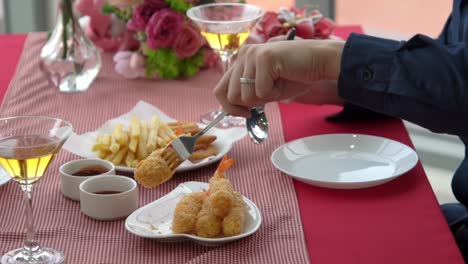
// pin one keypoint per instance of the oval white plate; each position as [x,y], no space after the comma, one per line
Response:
[344,161]
[154,220]
[223,145]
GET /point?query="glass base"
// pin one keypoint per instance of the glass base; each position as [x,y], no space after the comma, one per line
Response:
[42,256]
[226,122]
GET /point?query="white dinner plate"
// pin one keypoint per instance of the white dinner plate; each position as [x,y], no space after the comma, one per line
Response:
[4,177]
[344,161]
[155,219]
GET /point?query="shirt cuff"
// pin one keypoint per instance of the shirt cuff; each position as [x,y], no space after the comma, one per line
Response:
[366,66]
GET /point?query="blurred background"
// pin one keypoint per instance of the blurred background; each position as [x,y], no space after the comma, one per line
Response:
[396,19]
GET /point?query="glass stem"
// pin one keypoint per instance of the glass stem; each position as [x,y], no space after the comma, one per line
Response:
[225,61]
[30,243]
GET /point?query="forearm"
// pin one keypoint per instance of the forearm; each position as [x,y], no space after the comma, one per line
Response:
[419,80]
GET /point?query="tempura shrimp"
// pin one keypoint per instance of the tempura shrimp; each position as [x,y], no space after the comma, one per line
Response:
[221,191]
[186,212]
[234,222]
[153,170]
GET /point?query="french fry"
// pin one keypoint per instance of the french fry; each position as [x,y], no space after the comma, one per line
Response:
[161,142]
[129,159]
[169,132]
[110,156]
[102,153]
[142,153]
[152,143]
[114,146]
[102,143]
[134,127]
[162,133]
[134,164]
[120,135]
[119,156]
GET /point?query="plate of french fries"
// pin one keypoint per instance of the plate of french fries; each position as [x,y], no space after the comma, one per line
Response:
[130,138]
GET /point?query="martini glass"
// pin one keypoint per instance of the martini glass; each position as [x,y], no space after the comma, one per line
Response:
[28,144]
[225,26]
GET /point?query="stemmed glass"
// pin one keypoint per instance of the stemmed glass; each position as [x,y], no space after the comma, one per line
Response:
[225,26]
[28,144]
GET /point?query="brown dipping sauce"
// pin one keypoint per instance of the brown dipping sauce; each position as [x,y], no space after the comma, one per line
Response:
[107,192]
[91,171]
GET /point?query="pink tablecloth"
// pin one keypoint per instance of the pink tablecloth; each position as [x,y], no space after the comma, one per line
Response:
[398,222]
[60,223]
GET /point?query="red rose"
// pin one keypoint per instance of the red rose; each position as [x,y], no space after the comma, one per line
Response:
[143,13]
[188,42]
[305,30]
[270,25]
[162,28]
[324,27]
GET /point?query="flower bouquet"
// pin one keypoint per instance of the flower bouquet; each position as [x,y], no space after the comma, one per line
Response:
[155,39]
[308,22]
[151,38]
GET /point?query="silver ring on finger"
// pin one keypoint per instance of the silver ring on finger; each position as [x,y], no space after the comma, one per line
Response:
[244,80]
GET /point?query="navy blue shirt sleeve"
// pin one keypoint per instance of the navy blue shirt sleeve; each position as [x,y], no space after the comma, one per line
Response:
[423,80]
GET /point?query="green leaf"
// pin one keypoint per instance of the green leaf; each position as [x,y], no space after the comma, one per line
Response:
[179,5]
[108,9]
[165,63]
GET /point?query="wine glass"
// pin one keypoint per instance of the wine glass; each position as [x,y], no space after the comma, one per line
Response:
[225,26]
[28,144]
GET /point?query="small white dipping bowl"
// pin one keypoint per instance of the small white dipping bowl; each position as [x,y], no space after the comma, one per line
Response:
[108,206]
[69,184]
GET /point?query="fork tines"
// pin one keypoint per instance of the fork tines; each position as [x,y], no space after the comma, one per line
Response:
[172,158]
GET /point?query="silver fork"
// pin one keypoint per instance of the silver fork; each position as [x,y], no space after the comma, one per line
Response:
[180,149]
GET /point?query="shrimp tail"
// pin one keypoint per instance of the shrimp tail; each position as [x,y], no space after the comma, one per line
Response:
[225,164]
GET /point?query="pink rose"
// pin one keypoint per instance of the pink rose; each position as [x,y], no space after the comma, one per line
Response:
[105,31]
[270,25]
[163,27]
[305,30]
[324,27]
[143,13]
[188,42]
[130,65]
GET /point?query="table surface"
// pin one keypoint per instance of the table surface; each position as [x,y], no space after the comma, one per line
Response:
[398,222]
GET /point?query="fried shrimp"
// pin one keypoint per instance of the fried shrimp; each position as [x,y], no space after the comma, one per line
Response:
[208,225]
[153,170]
[217,212]
[221,191]
[234,222]
[186,212]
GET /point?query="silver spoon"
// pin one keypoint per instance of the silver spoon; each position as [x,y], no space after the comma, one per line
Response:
[257,123]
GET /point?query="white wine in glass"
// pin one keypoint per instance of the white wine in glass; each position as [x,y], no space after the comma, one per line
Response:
[226,27]
[28,145]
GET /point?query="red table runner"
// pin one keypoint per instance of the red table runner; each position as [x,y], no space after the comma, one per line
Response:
[398,222]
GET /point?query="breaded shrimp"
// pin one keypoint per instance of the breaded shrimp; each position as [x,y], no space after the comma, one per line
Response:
[208,225]
[153,170]
[186,212]
[221,191]
[234,222]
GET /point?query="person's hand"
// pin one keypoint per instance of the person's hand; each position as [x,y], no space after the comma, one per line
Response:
[282,70]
